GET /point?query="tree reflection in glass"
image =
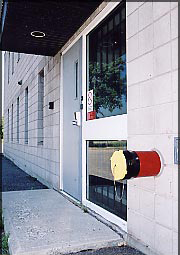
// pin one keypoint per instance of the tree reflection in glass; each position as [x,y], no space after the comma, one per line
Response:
[108,82]
[107,65]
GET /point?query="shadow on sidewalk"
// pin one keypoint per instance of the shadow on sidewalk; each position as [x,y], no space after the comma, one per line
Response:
[15,179]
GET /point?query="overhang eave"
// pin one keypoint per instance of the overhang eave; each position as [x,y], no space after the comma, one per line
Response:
[58,20]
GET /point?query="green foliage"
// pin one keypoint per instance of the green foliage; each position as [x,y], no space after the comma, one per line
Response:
[5,249]
[107,84]
[4,237]
[1,221]
[84,208]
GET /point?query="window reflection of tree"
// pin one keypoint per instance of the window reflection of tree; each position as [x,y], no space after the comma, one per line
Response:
[107,84]
[107,65]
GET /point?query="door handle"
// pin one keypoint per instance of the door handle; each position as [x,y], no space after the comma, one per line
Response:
[77,119]
[74,122]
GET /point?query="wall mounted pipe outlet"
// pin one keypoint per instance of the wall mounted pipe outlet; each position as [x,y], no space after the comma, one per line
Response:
[132,164]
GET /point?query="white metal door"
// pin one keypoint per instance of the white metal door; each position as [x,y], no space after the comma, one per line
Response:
[71,166]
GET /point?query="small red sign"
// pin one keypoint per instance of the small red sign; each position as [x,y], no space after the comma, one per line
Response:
[91,115]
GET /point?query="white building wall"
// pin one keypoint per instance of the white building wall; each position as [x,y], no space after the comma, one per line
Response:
[41,161]
[152,78]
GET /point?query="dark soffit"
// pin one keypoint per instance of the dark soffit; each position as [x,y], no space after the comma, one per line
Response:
[59,20]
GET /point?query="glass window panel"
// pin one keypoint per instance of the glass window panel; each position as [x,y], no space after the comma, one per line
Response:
[19,56]
[99,35]
[104,59]
[12,62]
[106,75]
[18,119]
[8,127]
[40,122]
[26,116]
[101,188]
[116,20]
[110,59]
[8,66]
[12,124]
[123,14]
[98,56]
[76,80]
[105,30]
[110,25]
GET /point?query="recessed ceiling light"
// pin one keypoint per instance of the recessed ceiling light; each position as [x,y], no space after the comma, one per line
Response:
[38,34]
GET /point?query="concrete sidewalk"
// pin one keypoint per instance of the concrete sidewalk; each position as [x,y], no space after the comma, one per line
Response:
[44,222]
[41,221]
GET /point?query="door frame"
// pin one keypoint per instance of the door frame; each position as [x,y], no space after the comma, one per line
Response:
[104,213]
[61,118]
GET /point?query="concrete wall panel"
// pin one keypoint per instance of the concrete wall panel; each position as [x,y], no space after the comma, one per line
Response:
[152,73]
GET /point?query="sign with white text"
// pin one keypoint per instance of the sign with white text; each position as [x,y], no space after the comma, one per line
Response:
[90,100]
